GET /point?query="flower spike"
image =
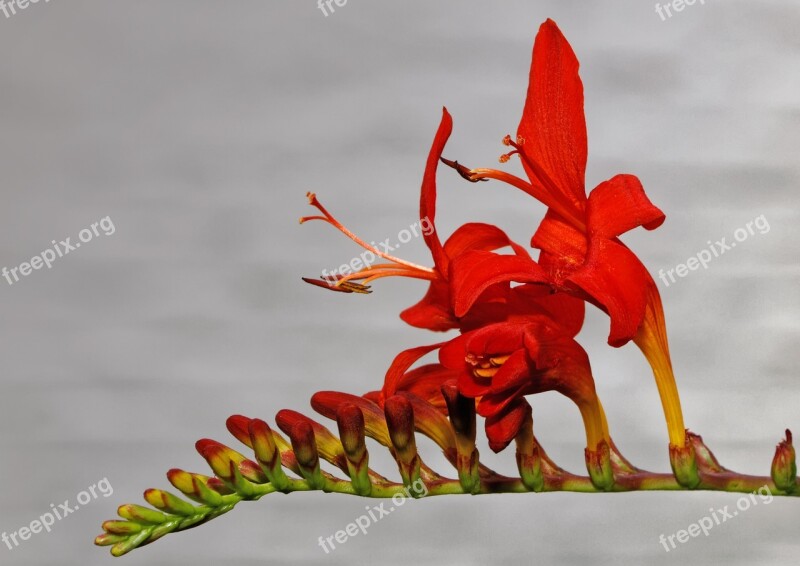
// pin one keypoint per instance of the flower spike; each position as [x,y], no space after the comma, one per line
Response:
[219,494]
[517,320]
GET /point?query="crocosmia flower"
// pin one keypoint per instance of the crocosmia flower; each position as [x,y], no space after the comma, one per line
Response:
[581,253]
[513,321]
[502,363]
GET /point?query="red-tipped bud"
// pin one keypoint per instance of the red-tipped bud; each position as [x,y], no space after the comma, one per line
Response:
[267,453]
[461,411]
[784,465]
[328,445]
[141,515]
[239,426]
[400,420]
[168,503]
[304,446]
[430,421]
[350,420]
[227,463]
[194,486]
[107,539]
[121,527]
[351,431]
[326,403]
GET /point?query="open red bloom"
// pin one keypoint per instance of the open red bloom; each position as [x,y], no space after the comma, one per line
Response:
[501,363]
[578,238]
[436,310]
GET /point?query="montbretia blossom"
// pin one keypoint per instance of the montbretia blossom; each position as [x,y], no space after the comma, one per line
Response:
[516,319]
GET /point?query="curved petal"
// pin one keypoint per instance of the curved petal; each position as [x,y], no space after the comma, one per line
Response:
[491,307]
[400,365]
[618,205]
[453,354]
[427,199]
[469,385]
[433,312]
[553,126]
[617,281]
[531,301]
[474,272]
[513,374]
[563,247]
[426,383]
[503,427]
[495,339]
[479,236]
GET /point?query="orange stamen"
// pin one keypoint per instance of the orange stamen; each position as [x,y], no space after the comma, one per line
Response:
[347,283]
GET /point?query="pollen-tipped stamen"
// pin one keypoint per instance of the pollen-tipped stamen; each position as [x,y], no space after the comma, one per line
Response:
[546,191]
[345,283]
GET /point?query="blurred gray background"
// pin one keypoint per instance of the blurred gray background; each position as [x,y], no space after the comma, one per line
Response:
[199,126]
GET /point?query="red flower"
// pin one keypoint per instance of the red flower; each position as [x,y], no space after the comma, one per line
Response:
[436,310]
[580,251]
[501,363]
[527,307]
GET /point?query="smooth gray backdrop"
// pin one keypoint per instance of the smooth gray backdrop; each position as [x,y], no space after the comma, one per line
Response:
[199,126]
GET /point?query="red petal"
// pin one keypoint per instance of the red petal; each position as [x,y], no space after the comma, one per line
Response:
[474,272]
[528,301]
[493,404]
[564,247]
[426,382]
[618,205]
[433,312]
[616,280]
[553,125]
[501,429]
[453,354]
[496,339]
[515,372]
[479,236]
[400,365]
[427,200]
[374,396]
[471,386]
